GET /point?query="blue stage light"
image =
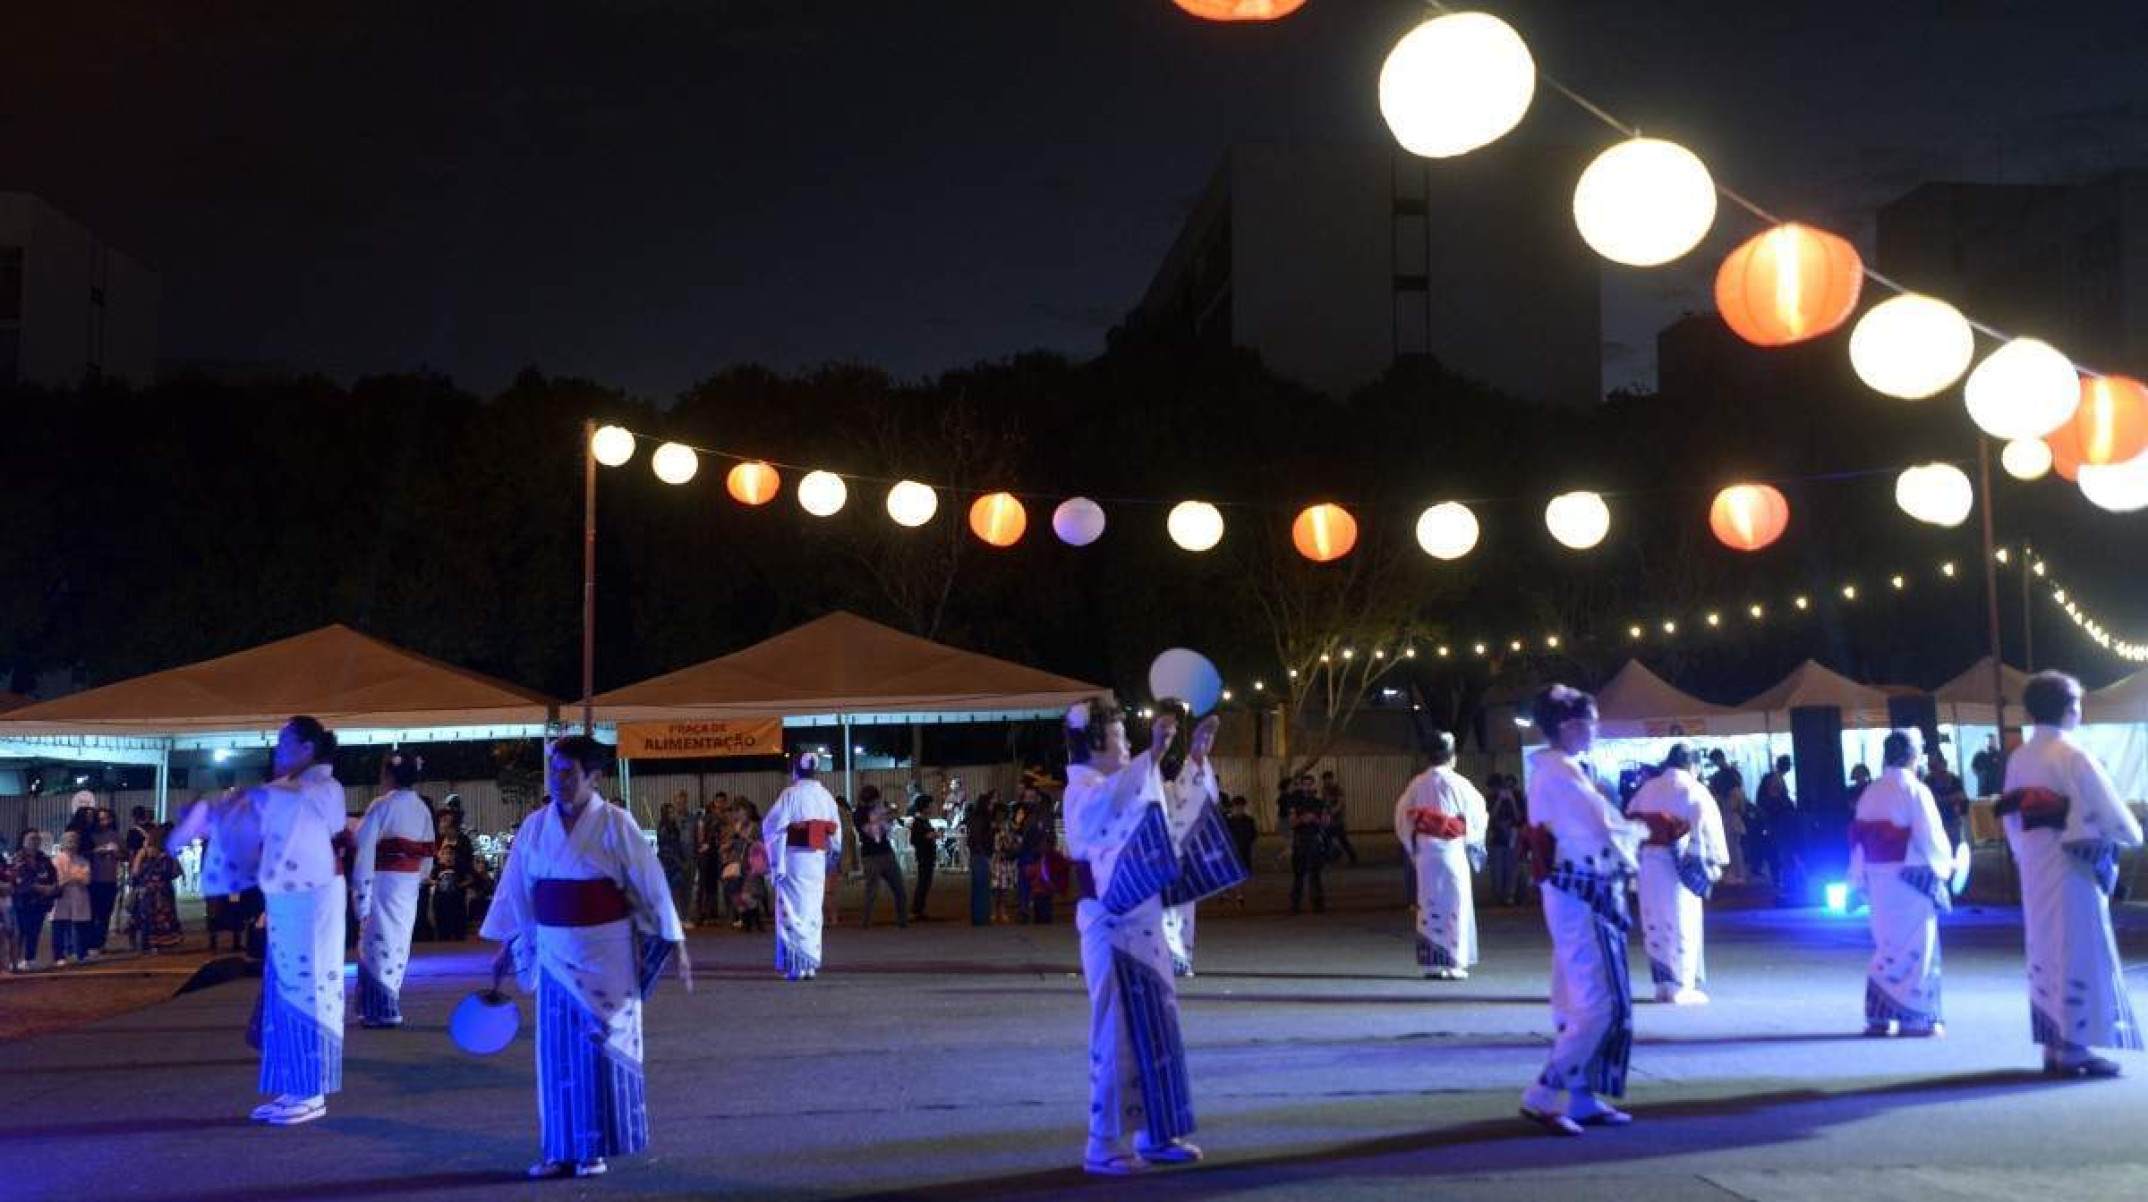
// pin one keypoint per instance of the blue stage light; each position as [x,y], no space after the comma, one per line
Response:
[1838,897]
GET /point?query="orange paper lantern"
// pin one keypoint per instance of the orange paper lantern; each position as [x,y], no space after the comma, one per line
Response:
[1747,517]
[999,519]
[753,483]
[1241,10]
[1324,533]
[2111,426]
[1788,284]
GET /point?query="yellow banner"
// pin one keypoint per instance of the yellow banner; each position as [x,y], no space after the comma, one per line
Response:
[695,740]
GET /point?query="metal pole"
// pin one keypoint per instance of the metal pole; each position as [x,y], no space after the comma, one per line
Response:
[589,575]
[1991,588]
[850,792]
[2028,622]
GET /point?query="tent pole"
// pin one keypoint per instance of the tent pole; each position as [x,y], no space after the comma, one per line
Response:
[164,779]
[2028,625]
[1991,588]
[850,792]
[589,574]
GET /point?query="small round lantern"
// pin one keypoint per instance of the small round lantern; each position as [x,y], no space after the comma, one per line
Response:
[1935,493]
[1911,346]
[1078,521]
[752,483]
[1447,531]
[1789,284]
[1644,202]
[1195,525]
[1240,10]
[2025,389]
[1747,517]
[822,494]
[912,504]
[612,445]
[1455,83]
[1579,520]
[675,463]
[1324,533]
[999,519]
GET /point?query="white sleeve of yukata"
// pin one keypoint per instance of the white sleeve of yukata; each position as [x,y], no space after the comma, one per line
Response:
[1927,833]
[1473,810]
[1406,826]
[2103,814]
[642,874]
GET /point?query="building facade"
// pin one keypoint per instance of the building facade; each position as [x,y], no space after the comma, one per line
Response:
[71,307]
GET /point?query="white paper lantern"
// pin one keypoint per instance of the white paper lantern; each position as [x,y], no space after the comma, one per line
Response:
[1578,519]
[2026,458]
[822,493]
[675,463]
[612,445]
[911,503]
[2025,389]
[2118,487]
[1644,202]
[1456,83]
[1078,521]
[1448,530]
[1911,346]
[1195,525]
[1935,493]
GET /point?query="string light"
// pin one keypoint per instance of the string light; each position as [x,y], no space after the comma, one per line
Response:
[1947,569]
[1670,628]
[1849,592]
[1635,631]
[1516,644]
[1552,642]
[1757,612]
[1898,583]
[1715,619]
[1443,652]
[1802,603]
[1480,649]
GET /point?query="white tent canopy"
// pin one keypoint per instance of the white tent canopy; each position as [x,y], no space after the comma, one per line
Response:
[1637,703]
[1810,684]
[1966,699]
[2124,700]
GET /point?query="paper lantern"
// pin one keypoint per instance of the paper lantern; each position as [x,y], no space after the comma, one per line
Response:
[754,483]
[1240,10]
[911,503]
[2025,389]
[1194,525]
[1324,533]
[1747,517]
[1644,202]
[1456,83]
[1578,519]
[485,1022]
[1935,493]
[1911,346]
[1447,531]
[675,463]
[822,494]
[612,445]
[2026,458]
[1078,521]
[2118,487]
[1789,284]
[1183,674]
[999,519]
[2109,427]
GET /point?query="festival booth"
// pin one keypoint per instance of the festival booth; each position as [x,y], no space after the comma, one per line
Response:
[840,670]
[2114,726]
[368,691]
[1642,716]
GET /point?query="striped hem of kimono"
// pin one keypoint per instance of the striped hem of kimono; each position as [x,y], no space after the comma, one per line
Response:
[299,1055]
[1605,895]
[655,954]
[2123,1033]
[1432,955]
[1660,973]
[591,1101]
[1881,1007]
[1606,1068]
[792,960]
[376,1002]
[1150,1009]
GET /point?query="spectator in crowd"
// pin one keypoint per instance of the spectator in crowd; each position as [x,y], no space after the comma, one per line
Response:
[107,848]
[1007,859]
[1506,815]
[980,838]
[672,854]
[1860,780]
[876,855]
[1989,768]
[455,864]
[925,847]
[139,828]
[1244,834]
[1727,785]
[36,890]
[711,831]
[71,913]
[1306,817]
[832,875]
[1331,797]
[1044,871]
[10,938]
[1775,831]
[1947,792]
[751,901]
[155,907]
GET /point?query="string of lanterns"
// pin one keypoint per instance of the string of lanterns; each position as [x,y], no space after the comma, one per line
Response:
[1462,80]
[2125,649]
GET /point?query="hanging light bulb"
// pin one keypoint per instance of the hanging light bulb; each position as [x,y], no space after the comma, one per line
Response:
[674,463]
[1455,83]
[1644,202]
[2025,389]
[912,504]
[1195,525]
[822,494]
[1911,346]
[1579,520]
[612,445]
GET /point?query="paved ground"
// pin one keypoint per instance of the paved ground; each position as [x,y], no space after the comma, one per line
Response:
[948,1062]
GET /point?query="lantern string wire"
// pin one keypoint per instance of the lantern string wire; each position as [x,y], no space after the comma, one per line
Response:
[1735,197]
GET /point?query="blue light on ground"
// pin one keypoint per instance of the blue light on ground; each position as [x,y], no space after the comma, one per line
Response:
[1838,897]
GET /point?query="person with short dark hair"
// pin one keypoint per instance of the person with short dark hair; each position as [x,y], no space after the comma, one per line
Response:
[1586,853]
[155,906]
[106,848]
[1902,861]
[585,922]
[37,887]
[711,832]
[980,836]
[71,912]
[1305,816]
[1245,832]
[1338,814]
[925,850]
[876,855]
[802,827]
[1440,820]
[454,879]
[1681,859]
[392,858]
[2066,824]
[1989,768]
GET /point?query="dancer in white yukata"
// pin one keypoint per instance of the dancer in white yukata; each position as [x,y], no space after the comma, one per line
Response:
[1901,861]
[1683,858]
[394,857]
[1585,854]
[1190,799]
[1440,819]
[277,836]
[2065,823]
[801,831]
[1120,842]
[585,921]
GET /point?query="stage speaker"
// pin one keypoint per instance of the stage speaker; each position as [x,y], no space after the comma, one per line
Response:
[1823,813]
[1916,712]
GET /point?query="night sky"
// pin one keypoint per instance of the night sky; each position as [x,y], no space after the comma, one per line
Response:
[642,191]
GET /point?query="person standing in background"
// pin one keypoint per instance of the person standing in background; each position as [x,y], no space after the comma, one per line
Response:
[671,852]
[1244,834]
[1989,769]
[107,846]
[710,832]
[454,862]
[1307,818]
[1947,794]
[876,855]
[980,837]
[37,888]
[1331,798]
[156,903]
[1503,825]
[71,913]
[925,847]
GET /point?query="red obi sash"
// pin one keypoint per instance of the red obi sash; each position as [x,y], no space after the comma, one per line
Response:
[813,834]
[1884,842]
[1664,829]
[2038,807]
[401,855]
[1543,849]
[1438,825]
[579,903]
